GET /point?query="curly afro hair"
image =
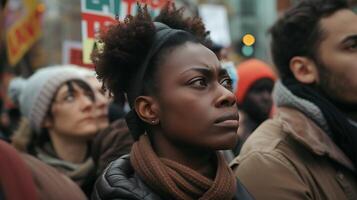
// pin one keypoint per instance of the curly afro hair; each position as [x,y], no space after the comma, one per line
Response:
[126,44]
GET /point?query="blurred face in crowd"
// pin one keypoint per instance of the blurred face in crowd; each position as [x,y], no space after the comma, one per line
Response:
[72,112]
[258,101]
[101,102]
[337,57]
[196,105]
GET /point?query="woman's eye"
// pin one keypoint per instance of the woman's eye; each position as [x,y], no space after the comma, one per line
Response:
[227,83]
[199,83]
[69,98]
[353,47]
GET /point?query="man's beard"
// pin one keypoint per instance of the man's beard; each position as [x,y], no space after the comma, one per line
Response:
[330,86]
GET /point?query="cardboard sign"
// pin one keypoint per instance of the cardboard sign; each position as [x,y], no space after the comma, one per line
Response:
[23,32]
[99,14]
[72,54]
[215,19]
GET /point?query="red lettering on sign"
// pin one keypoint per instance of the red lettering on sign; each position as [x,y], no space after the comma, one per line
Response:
[91,19]
[20,37]
[157,3]
[30,26]
[130,4]
[14,49]
[76,58]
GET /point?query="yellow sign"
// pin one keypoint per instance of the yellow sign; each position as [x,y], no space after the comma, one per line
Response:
[88,45]
[24,32]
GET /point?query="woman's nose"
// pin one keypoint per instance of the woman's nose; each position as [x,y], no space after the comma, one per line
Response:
[86,103]
[226,97]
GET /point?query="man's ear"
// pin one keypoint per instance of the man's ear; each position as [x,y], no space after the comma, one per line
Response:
[147,109]
[304,69]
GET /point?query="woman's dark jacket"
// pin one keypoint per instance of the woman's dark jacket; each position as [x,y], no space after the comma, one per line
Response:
[119,181]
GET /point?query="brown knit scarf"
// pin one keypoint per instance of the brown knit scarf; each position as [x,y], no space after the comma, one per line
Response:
[173,180]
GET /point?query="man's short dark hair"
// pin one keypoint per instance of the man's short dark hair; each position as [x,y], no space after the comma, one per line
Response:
[298,33]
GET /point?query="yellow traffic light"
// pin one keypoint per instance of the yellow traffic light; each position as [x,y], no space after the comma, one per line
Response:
[248,39]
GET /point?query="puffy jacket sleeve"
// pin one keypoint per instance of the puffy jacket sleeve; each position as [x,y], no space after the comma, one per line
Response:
[112,185]
[119,181]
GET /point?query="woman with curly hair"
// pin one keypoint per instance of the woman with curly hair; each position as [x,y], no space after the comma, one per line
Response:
[183,110]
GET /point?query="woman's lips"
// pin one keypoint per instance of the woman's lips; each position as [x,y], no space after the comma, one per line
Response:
[229,123]
[228,120]
[86,119]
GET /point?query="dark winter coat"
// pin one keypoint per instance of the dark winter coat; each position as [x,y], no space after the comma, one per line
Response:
[119,181]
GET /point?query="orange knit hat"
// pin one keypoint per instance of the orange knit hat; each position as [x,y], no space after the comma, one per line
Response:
[249,72]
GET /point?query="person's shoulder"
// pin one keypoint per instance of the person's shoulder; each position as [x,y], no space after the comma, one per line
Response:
[110,144]
[15,178]
[269,143]
[265,139]
[273,161]
[270,153]
[119,181]
[50,183]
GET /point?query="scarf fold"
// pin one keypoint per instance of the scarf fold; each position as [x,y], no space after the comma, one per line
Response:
[173,180]
[77,172]
[318,108]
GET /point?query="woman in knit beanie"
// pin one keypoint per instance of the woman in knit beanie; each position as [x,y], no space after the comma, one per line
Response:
[58,123]
[182,110]
[254,88]
[102,98]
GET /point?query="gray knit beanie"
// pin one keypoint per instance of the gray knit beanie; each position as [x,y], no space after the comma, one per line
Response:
[35,94]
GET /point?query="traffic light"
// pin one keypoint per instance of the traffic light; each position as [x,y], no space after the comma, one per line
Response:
[247,45]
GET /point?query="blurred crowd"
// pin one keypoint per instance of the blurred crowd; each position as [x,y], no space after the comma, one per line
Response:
[166,114]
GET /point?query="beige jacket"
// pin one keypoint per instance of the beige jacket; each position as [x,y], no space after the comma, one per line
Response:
[290,157]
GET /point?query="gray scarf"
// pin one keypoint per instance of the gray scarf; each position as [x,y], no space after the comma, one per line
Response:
[283,97]
[77,172]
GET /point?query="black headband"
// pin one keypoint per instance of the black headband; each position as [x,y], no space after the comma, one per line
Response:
[162,34]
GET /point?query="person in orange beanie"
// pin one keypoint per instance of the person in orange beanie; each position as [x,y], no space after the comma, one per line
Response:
[254,87]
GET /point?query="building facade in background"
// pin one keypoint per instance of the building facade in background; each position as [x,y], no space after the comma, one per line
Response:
[61,29]
[253,17]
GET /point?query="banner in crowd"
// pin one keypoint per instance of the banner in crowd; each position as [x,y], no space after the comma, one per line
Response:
[99,14]
[72,54]
[23,27]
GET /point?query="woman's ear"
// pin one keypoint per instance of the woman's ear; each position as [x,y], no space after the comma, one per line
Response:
[47,122]
[304,69]
[147,109]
